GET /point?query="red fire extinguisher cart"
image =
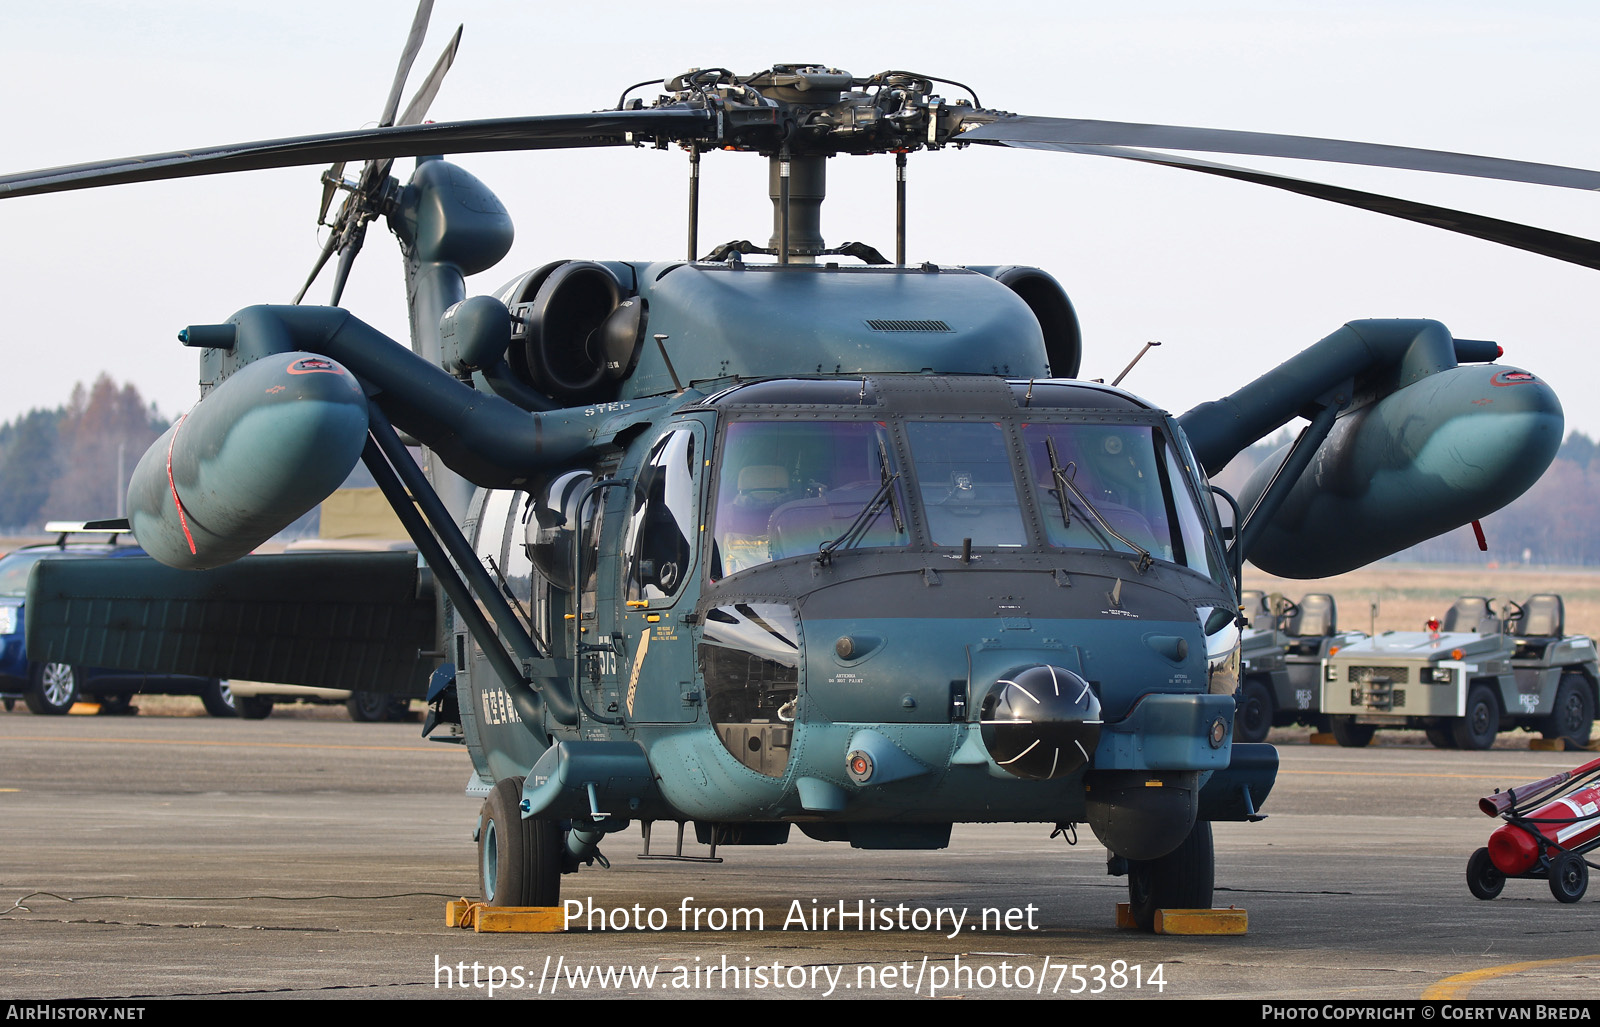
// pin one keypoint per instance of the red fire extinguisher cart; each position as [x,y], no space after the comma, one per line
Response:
[1550,825]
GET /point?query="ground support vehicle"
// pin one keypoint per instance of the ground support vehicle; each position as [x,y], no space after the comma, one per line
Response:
[1550,825]
[52,688]
[1468,677]
[1281,654]
[256,699]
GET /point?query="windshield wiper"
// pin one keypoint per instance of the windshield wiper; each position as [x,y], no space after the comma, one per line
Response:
[884,478]
[863,520]
[1065,484]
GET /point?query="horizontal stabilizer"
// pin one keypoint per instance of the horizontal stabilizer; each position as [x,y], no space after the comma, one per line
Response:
[359,621]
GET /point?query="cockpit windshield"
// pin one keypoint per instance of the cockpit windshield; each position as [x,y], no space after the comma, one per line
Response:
[792,487]
[788,488]
[967,488]
[1121,491]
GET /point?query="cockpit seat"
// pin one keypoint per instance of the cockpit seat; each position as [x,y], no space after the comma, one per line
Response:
[1312,621]
[1253,604]
[1542,621]
[1314,618]
[1471,613]
[1542,616]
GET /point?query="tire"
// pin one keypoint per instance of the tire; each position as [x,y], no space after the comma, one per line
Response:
[368,707]
[1484,879]
[1350,734]
[52,689]
[1182,879]
[1253,718]
[1476,730]
[1572,715]
[519,861]
[218,699]
[1569,877]
[1441,737]
[253,707]
[116,705]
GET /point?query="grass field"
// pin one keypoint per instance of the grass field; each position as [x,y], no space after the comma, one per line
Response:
[1408,594]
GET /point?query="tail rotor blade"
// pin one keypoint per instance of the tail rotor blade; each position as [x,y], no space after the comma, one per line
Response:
[419,29]
[322,260]
[417,109]
[330,179]
[347,257]
[375,171]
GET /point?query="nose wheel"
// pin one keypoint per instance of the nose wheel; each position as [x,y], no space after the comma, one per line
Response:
[1182,879]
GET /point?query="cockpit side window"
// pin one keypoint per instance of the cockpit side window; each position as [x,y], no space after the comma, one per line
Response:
[662,526]
[1191,520]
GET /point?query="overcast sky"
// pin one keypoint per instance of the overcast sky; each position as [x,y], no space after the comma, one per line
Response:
[1232,278]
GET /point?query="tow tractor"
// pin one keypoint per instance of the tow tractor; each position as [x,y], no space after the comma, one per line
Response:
[1550,825]
[1467,677]
[1281,655]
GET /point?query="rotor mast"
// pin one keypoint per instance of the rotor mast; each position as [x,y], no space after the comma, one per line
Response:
[797,186]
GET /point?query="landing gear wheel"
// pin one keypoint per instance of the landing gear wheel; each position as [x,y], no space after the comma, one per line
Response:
[1350,734]
[1569,877]
[1254,717]
[1440,737]
[1182,879]
[370,707]
[253,707]
[1572,716]
[218,699]
[1484,879]
[519,861]
[53,689]
[1477,729]
[11,704]
[117,705]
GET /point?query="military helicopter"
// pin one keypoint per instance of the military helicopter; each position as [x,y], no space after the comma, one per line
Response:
[832,541]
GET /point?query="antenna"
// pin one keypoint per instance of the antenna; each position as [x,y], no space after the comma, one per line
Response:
[661,344]
[1147,348]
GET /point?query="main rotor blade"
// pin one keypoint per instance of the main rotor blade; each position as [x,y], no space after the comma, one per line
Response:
[419,29]
[1041,133]
[549,132]
[1569,248]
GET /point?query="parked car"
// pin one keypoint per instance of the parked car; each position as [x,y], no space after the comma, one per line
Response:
[52,688]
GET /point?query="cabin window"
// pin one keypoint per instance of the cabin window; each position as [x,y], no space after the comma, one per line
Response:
[493,517]
[787,487]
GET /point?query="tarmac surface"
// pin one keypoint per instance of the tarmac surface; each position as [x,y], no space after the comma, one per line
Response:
[151,857]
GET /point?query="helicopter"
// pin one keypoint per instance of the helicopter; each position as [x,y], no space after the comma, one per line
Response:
[834,541]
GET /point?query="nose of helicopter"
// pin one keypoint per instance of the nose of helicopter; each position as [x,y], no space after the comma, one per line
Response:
[1040,722]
